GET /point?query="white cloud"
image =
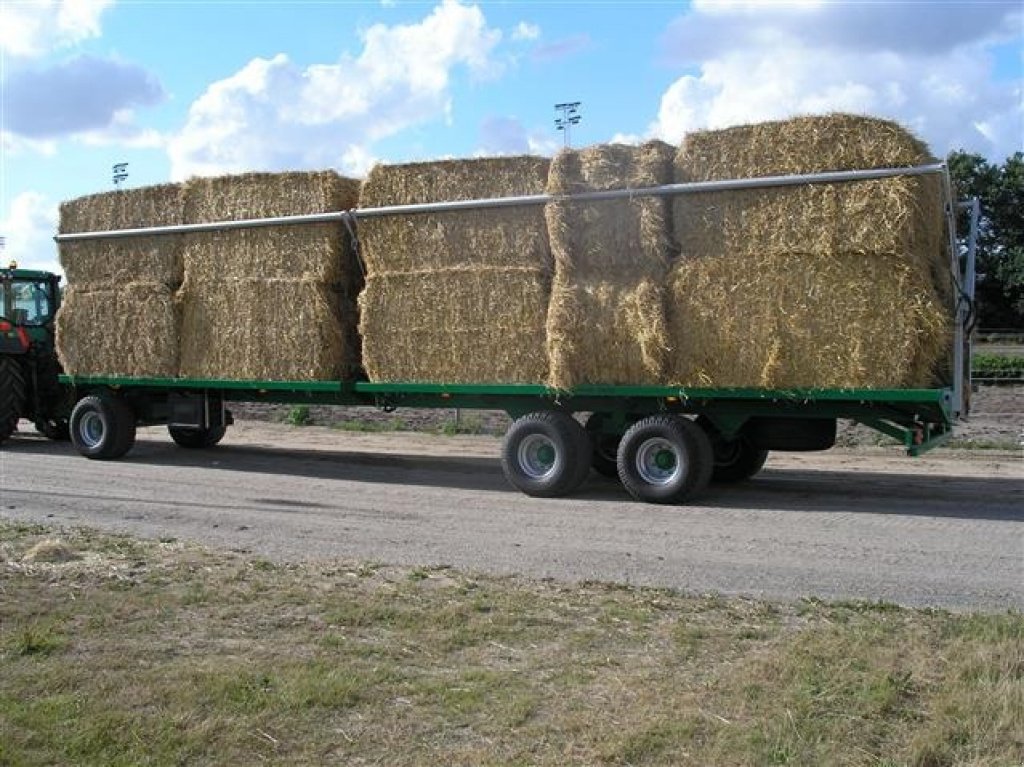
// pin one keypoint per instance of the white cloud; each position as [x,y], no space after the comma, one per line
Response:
[28,232]
[770,61]
[274,114]
[34,27]
[84,93]
[525,31]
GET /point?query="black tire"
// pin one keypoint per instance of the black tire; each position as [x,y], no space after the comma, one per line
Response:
[12,396]
[735,459]
[56,429]
[605,446]
[102,427]
[665,459]
[195,438]
[546,454]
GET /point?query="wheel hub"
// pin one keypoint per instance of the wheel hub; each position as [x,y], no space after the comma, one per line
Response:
[657,461]
[537,455]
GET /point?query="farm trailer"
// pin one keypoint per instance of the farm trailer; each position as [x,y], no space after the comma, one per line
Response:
[664,443]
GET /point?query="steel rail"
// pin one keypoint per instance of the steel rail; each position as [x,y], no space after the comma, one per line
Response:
[666,190]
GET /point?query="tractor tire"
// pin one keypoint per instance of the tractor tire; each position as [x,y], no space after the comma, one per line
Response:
[12,396]
[736,459]
[606,446]
[102,427]
[195,438]
[665,459]
[546,454]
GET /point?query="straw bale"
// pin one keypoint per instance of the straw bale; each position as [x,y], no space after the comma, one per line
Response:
[481,325]
[798,320]
[900,215]
[501,237]
[606,332]
[264,329]
[155,259]
[131,330]
[612,237]
[606,320]
[813,285]
[295,251]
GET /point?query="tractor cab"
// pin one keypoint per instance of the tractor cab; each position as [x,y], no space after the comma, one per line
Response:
[29,301]
[29,370]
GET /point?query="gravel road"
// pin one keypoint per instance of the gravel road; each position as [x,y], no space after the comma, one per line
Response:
[943,530]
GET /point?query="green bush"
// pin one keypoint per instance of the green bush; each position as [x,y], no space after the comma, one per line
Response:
[1001,366]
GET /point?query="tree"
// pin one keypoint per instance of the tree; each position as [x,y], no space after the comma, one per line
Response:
[1000,266]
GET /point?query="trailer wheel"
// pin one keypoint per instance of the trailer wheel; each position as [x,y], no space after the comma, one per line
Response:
[735,459]
[12,396]
[195,437]
[606,446]
[546,454]
[665,459]
[56,429]
[102,427]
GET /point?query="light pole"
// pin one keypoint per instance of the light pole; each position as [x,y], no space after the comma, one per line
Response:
[569,116]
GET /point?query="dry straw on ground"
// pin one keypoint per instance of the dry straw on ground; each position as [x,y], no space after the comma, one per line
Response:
[110,262]
[131,330]
[263,329]
[458,296]
[606,322]
[833,285]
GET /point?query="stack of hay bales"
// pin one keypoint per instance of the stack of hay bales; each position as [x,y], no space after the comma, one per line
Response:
[275,302]
[836,285]
[606,321]
[119,316]
[456,296]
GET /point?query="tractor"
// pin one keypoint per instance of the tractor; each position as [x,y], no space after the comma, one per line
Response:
[29,369]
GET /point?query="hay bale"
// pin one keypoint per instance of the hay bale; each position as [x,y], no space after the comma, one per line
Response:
[798,320]
[303,251]
[264,329]
[860,217]
[155,258]
[504,237]
[132,330]
[479,325]
[606,321]
[606,332]
[833,285]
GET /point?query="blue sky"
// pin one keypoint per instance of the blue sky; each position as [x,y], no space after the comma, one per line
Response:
[201,88]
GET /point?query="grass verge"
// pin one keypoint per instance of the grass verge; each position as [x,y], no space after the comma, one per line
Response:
[135,652]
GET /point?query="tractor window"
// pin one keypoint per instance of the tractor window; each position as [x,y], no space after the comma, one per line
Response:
[32,303]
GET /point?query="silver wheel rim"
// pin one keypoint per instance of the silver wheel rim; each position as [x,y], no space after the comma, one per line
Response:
[537,456]
[91,429]
[658,461]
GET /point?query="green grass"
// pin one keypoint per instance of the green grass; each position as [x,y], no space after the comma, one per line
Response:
[163,653]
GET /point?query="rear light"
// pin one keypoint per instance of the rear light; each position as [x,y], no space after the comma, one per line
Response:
[5,326]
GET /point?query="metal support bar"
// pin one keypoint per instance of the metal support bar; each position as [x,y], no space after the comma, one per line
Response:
[667,190]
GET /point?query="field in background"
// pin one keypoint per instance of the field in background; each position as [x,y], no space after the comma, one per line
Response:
[120,651]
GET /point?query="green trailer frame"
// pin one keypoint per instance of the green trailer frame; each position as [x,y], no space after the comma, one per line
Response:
[919,419]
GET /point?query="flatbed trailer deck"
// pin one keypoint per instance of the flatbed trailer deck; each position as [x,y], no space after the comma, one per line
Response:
[664,443]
